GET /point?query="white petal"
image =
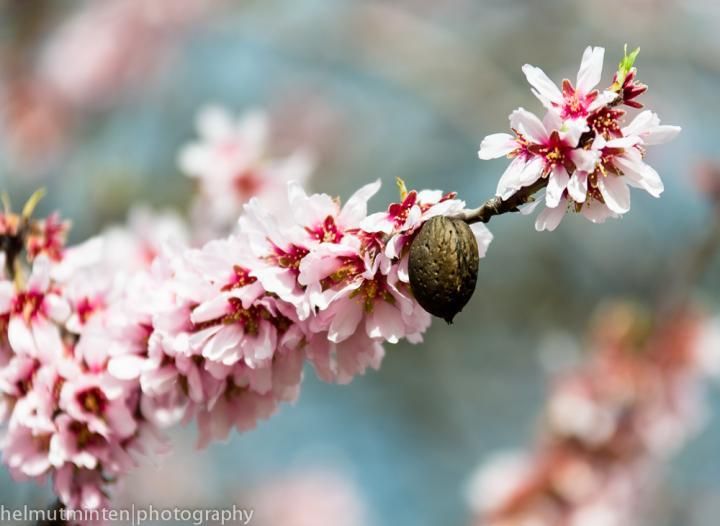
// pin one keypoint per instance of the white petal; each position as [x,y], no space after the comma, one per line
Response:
[642,175]
[622,142]
[603,99]
[20,337]
[590,69]
[40,277]
[585,160]
[529,125]
[577,187]
[214,123]
[510,181]
[57,308]
[543,88]
[47,339]
[615,192]
[661,134]
[642,122]
[573,130]
[596,212]
[550,218]
[483,236]
[7,291]
[532,171]
[126,367]
[377,222]
[496,145]
[556,186]
[355,208]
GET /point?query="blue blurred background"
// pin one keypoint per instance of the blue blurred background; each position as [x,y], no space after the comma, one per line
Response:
[395,88]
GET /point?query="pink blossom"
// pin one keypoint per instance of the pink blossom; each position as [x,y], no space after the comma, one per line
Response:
[572,102]
[543,151]
[80,488]
[26,453]
[232,164]
[33,311]
[581,147]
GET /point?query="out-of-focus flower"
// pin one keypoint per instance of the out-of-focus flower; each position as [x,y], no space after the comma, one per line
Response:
[33,312]
[608,425]
[113,45]
[232,163]
[309,498]
[588,158]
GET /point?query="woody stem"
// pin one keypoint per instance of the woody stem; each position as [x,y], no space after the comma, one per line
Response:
[496,206]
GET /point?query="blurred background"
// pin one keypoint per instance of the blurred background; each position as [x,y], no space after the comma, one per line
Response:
[97,98]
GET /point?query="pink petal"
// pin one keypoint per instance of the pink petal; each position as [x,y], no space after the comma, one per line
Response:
[210,310]
[385,322]
[227,338]
[345,320]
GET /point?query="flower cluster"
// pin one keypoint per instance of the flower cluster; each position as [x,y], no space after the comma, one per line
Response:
[581,151]
[108,342]
[66,416]
[608,425]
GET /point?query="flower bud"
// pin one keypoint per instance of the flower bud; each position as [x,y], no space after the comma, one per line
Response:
[443,266]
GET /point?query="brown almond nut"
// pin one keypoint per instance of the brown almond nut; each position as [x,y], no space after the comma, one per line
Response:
[443,266]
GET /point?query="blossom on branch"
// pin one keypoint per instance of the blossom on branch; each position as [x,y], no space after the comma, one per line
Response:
[581,147]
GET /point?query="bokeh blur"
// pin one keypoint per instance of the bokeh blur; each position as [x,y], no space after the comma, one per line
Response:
[98,97]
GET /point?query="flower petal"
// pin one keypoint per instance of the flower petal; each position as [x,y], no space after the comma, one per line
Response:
[556,186]
[509,182]
[615,192]
[345,321]
[355,208]
[543,88]
[577,187]
[496,145]
[590,69]
[550,218]
[529,125]
[641,175]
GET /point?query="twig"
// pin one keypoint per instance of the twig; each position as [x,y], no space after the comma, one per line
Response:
[496,206]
